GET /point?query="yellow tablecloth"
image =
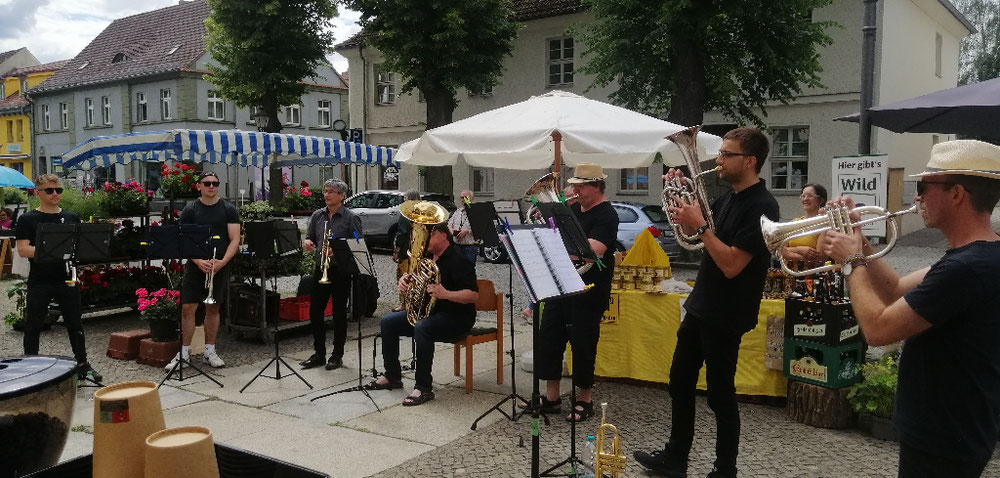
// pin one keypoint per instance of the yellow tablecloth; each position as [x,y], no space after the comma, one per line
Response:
[639,334]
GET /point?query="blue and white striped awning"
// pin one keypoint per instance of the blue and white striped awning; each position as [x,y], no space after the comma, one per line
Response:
[243,148]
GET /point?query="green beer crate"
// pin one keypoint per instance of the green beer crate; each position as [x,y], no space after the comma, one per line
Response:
[824,365]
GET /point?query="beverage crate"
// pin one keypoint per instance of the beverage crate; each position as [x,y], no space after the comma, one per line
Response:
[822,322]
[297,308]
[823,365]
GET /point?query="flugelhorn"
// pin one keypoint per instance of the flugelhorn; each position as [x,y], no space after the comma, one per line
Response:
[210,277]
[325,255]
[690,190]
[777,234]
[607,461]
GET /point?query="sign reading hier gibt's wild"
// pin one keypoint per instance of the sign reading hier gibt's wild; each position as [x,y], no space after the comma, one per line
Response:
[864,179]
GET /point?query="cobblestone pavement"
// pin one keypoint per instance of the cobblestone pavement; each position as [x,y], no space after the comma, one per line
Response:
[771,443]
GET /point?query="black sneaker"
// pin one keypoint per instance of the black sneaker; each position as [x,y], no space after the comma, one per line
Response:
[662,462]
[315,361]
[334,363]
[84,369]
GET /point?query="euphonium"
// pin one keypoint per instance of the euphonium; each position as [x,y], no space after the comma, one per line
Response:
[546,189]
[776,234]
[325,255]
[611,461]
[423,216]
[690,189]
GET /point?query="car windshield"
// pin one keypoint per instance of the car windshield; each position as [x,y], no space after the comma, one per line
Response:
[655,213]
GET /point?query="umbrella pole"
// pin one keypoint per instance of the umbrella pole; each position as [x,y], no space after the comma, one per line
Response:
[557,138]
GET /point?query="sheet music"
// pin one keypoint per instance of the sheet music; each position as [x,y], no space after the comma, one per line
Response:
[543,260]
[562,267]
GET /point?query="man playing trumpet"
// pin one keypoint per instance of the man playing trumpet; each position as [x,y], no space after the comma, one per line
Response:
[224,221]
[948,395]
[723,305]
[338,221]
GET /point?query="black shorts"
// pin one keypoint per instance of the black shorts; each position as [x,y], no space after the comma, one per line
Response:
[193,290]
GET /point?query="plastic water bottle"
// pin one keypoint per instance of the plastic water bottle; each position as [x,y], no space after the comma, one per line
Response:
[589,454]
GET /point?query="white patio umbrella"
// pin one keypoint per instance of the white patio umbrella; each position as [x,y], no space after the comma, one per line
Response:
[557,126]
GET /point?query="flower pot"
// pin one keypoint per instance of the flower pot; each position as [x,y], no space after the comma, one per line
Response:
[164,330]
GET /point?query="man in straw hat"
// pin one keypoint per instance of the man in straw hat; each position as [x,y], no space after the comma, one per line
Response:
[577,319]
[948,398]
[723,305]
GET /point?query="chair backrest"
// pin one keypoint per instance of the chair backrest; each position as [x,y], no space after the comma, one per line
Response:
[487,296]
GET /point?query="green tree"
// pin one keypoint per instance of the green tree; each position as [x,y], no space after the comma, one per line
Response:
[264,49]
[979,59]
[440,46]
[681,57]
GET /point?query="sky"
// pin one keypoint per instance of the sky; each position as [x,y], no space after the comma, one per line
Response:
[56,30]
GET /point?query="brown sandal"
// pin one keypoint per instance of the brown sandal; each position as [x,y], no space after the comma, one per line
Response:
[421,399]
[390,385]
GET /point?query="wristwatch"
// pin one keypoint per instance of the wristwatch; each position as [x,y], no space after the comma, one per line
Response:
[852,263]
[701,230]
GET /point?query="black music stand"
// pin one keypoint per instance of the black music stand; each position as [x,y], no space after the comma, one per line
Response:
[348,256]
[267,239]
[484,221]
[175,242]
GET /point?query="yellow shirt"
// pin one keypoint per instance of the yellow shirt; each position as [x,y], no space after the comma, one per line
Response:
[810,241]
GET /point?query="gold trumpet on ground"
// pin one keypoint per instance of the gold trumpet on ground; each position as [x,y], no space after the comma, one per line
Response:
[607,461]
[690,190]
[210,277]
[777,234]
[325,255]
[423,216]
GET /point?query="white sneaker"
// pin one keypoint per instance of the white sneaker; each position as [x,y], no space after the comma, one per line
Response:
[173,362]
[212,358]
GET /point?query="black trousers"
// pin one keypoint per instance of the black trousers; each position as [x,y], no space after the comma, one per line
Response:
[338,289]
[436,327]
[914,463]
[575,319]
[40,294]
[698,343]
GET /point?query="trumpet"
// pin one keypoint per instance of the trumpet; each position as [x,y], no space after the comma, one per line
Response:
[690,190]
[777,234]
[325,255]
[611,461]
[72,281]
[210,277]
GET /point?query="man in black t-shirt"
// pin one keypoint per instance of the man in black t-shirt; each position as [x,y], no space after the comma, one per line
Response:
[47,280]
[223,218]
[948,396]
[723,305]
[452,317]
[577,319]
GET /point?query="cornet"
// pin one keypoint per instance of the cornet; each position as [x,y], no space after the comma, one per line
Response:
[777,234]
[690,190]
[210,277]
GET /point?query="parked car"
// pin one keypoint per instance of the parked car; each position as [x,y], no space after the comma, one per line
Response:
[379,212]
[633,218]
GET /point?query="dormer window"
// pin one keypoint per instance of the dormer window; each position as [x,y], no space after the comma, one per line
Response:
[120,57]
[84,65]
[173,50]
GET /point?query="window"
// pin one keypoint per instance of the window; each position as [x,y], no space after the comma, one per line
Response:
[938,46]
[89,107]
[46,119]
[560,62]
[164,104]
[105,110]
[293,115]
[482,181]
[388,177]
[385,88]
[488,91]
[63,116]
[635,179]
[789,158]
[20,130]
[216,106]
[10,131]
[141,111]
[323,109]
[3,91]
[626,214]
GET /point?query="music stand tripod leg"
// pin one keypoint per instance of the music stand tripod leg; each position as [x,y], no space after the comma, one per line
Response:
[179,369]
[278,361]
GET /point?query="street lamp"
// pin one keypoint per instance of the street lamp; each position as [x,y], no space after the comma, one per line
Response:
[341,127]
[262,119]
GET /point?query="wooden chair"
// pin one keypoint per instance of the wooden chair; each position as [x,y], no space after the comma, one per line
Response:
[489,300]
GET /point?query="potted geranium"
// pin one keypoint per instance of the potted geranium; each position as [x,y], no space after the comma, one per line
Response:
[124,199]
[875,397]
[302,200]
[179,181]
[162,310]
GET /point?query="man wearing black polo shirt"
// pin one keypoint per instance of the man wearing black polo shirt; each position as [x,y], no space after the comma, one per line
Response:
[452,317]
[47,280]
[722,307]
[948,398]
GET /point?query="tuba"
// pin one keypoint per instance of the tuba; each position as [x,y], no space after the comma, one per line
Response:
[607,461]
[423,216]
[691,189]
[776,234]
[546,189]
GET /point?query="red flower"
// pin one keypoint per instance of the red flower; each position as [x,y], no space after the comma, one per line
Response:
[304,184]
[185,180]
[654,231]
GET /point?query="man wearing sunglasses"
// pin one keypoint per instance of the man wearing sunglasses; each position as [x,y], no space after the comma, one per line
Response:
[948,395]
[224,219]
[47,280]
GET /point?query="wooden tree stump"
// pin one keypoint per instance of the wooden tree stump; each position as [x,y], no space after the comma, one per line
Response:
[819,406]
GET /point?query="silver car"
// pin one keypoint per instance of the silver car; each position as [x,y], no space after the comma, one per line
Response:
[379,211]
[633,218]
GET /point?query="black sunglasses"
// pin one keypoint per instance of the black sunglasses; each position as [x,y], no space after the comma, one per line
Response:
[922,185]
[53,190]
[210,184]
